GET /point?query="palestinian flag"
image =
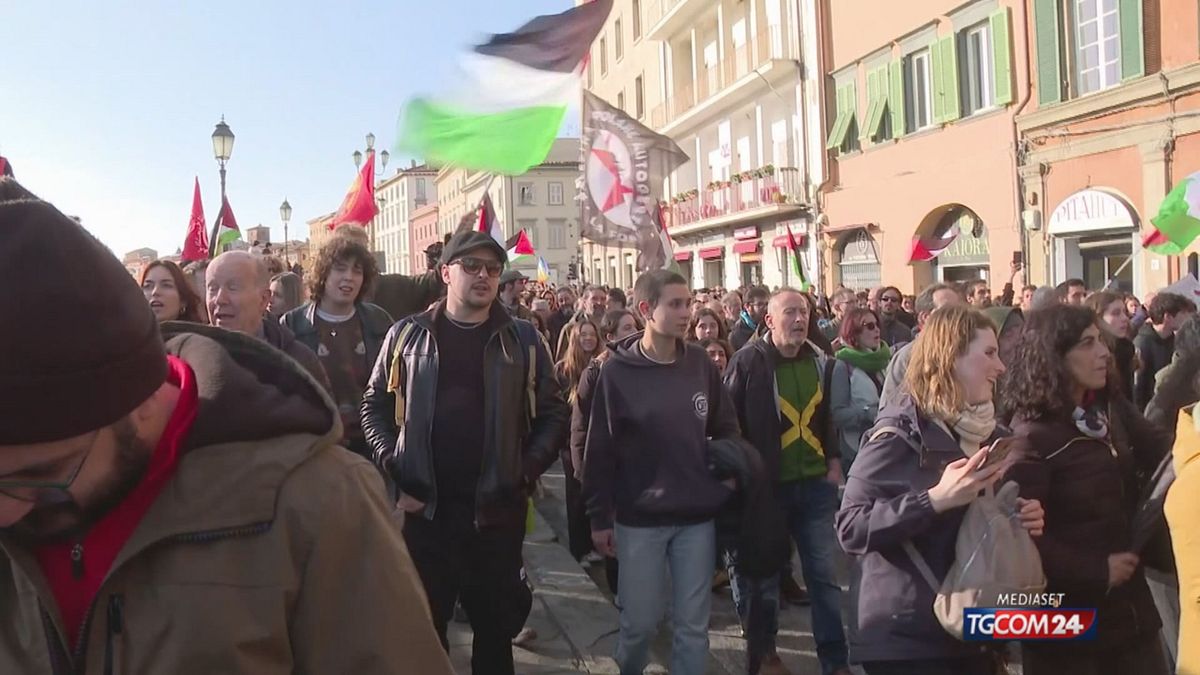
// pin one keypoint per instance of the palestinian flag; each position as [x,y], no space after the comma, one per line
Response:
[1178,221]
[226,227]
[519,249]
[488,222]
[797,264]
[516,89]
[926,249]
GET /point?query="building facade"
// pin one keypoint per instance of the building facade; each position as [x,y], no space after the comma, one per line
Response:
[424,230]
[319,232]
[258,233]
[1112,124]
[134,260]
[724,81]
[399,196]
[921,141]
[540,201]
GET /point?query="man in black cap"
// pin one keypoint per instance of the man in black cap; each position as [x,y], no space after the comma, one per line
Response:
[512,285]
[161,503]
[463,411]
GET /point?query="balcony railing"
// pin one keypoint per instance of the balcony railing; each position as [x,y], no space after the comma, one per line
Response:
[711,79]
[725,198]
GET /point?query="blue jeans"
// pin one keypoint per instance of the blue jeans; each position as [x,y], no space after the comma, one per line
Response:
[757,603]
[809,504]
[645,554]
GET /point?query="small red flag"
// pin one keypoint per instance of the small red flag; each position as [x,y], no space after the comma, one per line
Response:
[195,246]
[359,206]
[5,168]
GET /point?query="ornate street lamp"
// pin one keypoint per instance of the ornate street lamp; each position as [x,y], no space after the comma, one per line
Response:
[222,140]
[285,214]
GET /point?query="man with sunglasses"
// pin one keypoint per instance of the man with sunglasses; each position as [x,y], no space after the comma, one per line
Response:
[462,410]
[892,331]
[178,507]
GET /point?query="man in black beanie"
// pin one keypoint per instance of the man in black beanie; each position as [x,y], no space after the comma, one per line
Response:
[181,506]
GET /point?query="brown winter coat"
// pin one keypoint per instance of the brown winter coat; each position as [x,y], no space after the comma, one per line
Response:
[271,549]
[1090,492]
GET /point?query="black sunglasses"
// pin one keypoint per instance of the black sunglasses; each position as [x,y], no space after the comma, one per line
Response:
[473,265]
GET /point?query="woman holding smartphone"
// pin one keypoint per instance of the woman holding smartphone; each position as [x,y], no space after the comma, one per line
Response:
[916,472]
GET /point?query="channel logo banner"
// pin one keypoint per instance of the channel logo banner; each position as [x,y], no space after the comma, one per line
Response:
[989,624]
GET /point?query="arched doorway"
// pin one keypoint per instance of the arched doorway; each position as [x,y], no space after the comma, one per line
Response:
[968,257]
[1093,235]
[857,261]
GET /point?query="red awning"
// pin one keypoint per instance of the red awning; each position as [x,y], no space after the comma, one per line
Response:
[781,240]
[745,246]
[683,255]
[712,253]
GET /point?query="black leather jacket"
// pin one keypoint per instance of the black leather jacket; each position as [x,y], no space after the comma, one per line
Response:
[525,416]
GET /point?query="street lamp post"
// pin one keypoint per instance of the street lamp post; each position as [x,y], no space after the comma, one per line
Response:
[383,158]
[285,214]
[222,140]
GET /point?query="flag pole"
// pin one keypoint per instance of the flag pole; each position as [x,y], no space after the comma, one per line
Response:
[486,186]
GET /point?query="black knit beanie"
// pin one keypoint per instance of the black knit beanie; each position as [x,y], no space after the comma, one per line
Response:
[80,348]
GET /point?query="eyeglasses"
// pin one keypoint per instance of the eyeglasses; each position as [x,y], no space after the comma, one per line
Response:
[473,265]
[45,493]
[870,326]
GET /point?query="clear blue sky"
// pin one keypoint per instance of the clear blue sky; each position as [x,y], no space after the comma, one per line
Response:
[107,108]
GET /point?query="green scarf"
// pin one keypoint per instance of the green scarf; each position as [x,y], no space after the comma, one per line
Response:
[872,362]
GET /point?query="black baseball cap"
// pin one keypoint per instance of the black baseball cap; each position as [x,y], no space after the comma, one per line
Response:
[465,242]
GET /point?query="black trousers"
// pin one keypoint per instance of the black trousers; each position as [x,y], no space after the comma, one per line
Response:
[482,568]
[579,528]
[1143,656]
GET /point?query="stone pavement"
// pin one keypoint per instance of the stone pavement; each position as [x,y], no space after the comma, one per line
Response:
[576,621]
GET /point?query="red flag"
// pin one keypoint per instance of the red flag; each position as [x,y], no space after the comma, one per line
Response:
[359,206]
[5,167]
[488,222]
[195,246]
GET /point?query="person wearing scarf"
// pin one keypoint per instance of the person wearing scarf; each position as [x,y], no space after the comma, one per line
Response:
[855,380]
[1083,452]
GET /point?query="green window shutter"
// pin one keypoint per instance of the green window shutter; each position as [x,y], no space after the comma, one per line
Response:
[896,97]
[1133,61]
[881,76]
[951,107]
[1049,68]
[837,132]
[851,106]
[1002,87]
[936,90]
[873,104]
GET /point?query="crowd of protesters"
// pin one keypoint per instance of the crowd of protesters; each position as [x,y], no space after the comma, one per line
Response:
[250,469]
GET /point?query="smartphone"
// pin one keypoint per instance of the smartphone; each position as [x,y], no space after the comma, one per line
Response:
[997,452]
[1018,258]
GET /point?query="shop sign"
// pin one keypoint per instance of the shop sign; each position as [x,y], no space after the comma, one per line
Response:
[859,248]
[971,245]
[746,233]
[1090,211]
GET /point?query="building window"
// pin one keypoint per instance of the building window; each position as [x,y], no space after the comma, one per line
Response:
[621,99]
[558,234]
[531,231]
[420,185]
[556,194]
[1098,45]
[637,19]
[618,40]
[525,194]
[639,97]
[603,56]
[918,91]
[978,70]
[843,135]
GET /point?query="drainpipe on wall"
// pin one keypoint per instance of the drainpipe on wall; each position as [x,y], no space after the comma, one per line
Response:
[1018,155]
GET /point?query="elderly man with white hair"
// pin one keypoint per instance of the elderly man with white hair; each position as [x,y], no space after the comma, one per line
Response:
[237,292]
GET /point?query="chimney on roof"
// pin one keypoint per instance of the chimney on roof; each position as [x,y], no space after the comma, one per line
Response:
[412,164]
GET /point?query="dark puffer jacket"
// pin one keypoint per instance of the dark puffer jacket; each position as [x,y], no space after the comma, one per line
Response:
[1090,489]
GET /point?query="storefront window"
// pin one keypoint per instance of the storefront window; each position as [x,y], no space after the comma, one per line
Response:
[858,262]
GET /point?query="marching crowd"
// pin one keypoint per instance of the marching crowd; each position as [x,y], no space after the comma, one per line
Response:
[313,470]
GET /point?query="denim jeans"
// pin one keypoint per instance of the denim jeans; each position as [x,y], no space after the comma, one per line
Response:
[757,603]
[645,554]
[809,505]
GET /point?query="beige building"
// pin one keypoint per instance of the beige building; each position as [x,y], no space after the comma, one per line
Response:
[135,259]
[540,201]
[722,79]
[318,231]
[399,196]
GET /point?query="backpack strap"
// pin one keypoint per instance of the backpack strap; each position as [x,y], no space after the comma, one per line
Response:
[396,376]
[922,565]
[528,339]
[918,560]
[1069,443]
